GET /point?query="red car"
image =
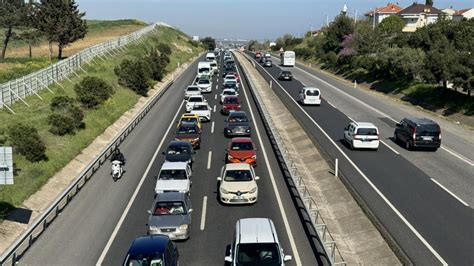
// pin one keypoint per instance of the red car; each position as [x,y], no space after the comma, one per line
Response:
[230,103]
[241,150]
[258,55]
[235,74]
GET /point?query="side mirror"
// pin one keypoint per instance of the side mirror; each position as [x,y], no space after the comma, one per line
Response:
[228,258]
[219,178]
[190,210]
[257,178]
[398,125]
[148,211]
[287,258]
[164,153]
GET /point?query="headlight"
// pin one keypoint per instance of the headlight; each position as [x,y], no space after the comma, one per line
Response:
[224,191]
[195,140]
[229,130]
[247,130]
[229,157]
[253,190]
[254,157]
[183,227]
[153,228]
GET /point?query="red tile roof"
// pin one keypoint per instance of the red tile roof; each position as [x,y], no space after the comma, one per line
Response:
[462,11]
[389,8]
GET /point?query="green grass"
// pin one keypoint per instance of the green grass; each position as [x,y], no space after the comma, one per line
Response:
[23,67]
[102,25]
[61,150]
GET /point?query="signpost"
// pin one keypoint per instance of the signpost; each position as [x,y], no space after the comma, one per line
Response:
[6,166]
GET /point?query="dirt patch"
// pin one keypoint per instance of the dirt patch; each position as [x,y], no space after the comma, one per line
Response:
[183,48]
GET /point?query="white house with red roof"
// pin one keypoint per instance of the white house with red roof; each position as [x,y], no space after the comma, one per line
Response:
[463,13]
[379,14]
[419,15]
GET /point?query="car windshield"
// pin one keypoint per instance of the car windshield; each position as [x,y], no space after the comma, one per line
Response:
[231,100]
[173,174]
[178,150]
[237,175]
[187,130]
[241,146]
[192,89]
[214,64]
[237,118]
[203,70]
[367,131]
[312,92]
[153,259]
[200,107]
[230,81]
[195,99]
[258,254]
[229,77]
[203,81]
[169,208]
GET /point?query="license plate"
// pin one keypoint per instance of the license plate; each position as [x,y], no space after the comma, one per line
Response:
[237,197]
[427,138]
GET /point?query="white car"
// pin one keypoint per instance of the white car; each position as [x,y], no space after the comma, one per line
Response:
[214,66]
[237,184]
[230,77]
[362,135]
[191,91]
[174,177]
[205,85]
[203,110]
[255,242]
[310,95]
[192,100]
[228,92]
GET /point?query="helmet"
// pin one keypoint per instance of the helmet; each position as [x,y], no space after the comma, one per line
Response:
[117,151]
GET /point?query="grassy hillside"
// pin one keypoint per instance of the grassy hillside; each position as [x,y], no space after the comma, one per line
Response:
[62,149]
[17,63]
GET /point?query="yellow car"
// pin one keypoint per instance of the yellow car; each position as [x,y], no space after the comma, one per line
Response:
[193,118]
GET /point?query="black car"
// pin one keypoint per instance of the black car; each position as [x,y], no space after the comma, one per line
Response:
[179,151]
[417,132]
[228,69]
[238,124]
[152,250]
[285,75]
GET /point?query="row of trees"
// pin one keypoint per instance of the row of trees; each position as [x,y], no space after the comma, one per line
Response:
[438,53]
[59,21]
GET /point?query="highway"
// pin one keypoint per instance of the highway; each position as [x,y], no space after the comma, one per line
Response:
[401,188]
[98,226]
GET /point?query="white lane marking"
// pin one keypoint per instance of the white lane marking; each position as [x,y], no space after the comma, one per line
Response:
[212,127]
[350,118]
[217,79]
[331,104]
[393,149]
[203,215]
[135,193]
[272,178]
[451,193]
[214,109]
[217,87]
[387,201]
[209,160]
[449,150]
[215,97]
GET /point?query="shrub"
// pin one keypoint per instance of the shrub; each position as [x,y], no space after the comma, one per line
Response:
[92,91]
[164,49]
[331,59]
[133,75]
[155,63]
[304,53]
[66,116]
[61,124]
[27,142]
[61,103]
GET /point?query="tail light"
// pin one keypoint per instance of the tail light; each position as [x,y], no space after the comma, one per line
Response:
[439,135]
[356,137]
[413,132]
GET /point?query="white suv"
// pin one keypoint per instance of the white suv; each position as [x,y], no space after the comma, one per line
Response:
[203,110]
[193,100]
[191,91]
[362,135]
[256,243]
[237,184]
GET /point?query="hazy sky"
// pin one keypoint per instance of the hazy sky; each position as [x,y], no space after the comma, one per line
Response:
[245,19]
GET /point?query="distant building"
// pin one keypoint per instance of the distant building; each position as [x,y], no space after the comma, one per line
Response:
[195,38]
[418,15]
[377,15]
[463,13]
[272,44]
[448,12]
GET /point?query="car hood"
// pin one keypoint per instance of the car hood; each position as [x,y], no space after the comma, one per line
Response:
[242,154]
[173,185]
[201,112]
[183,136]
[168,220]
[238,124]
[178,157]
[238,186]
[231,105]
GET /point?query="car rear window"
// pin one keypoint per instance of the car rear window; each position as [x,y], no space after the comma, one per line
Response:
[312,92]
[367,131]
[421,129]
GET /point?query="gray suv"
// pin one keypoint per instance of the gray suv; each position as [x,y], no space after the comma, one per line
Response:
[417,132]
[170,215]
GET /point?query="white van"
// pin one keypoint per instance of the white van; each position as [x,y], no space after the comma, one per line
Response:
[288,58]
[214,66]
[362,135]
[310,95]
[204,68]
[210,57]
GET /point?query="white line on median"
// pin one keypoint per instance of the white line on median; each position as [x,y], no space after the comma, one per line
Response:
[214,109]
[272,178]
[203,214]
[397,212]
[396,152]
[217,87]
[451,193]
[209,160]
[135,193]
[215,97]
[212,127]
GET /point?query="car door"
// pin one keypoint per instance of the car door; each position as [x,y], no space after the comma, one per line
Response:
[301,95]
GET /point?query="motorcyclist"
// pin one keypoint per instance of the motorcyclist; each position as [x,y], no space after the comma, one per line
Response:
[118,156]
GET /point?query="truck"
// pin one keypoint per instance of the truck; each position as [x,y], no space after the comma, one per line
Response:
[287,58]
[204,68]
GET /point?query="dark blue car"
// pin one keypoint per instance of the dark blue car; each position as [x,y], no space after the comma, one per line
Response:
[152,250]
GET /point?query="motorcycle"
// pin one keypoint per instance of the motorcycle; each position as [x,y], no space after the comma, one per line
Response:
[117,170]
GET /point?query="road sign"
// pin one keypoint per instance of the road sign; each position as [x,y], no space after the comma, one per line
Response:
[282,50]
[6,166]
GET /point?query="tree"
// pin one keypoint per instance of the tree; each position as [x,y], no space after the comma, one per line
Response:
[429,2]
[251,45]
[27,142]
[12,14]
[32,37]
[340,27]
[61,22]
[92,91]
[391,25]
[209,43]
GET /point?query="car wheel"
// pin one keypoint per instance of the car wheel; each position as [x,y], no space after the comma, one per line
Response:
[395,137]
[352,145]
[408,145]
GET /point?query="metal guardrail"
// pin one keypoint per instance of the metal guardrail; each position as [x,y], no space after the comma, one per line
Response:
[31,84]
[27,238]
[310,204]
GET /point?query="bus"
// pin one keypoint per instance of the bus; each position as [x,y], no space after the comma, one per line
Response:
[288,58]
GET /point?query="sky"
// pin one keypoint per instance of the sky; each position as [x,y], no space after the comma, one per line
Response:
[241,19]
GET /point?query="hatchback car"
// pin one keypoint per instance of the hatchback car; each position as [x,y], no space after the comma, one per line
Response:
[152,250]
[308,95]
[241,150]
[179,151]
[191,91]
[228,92]
[205,85]
[285,75]
[237,184]
[256,243]
[230,103]
[203,110]
[194,99]
[237,124]
[362,135]
[230,84]
[417,132]
[170,215]
[190,118]
[235,74]
[189,132]
[268,63]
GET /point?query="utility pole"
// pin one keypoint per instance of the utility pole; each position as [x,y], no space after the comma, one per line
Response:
[327,20]
[355,17]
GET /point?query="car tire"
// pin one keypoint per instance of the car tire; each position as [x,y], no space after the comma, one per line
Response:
[352,145]
[408,145]
[395,137]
